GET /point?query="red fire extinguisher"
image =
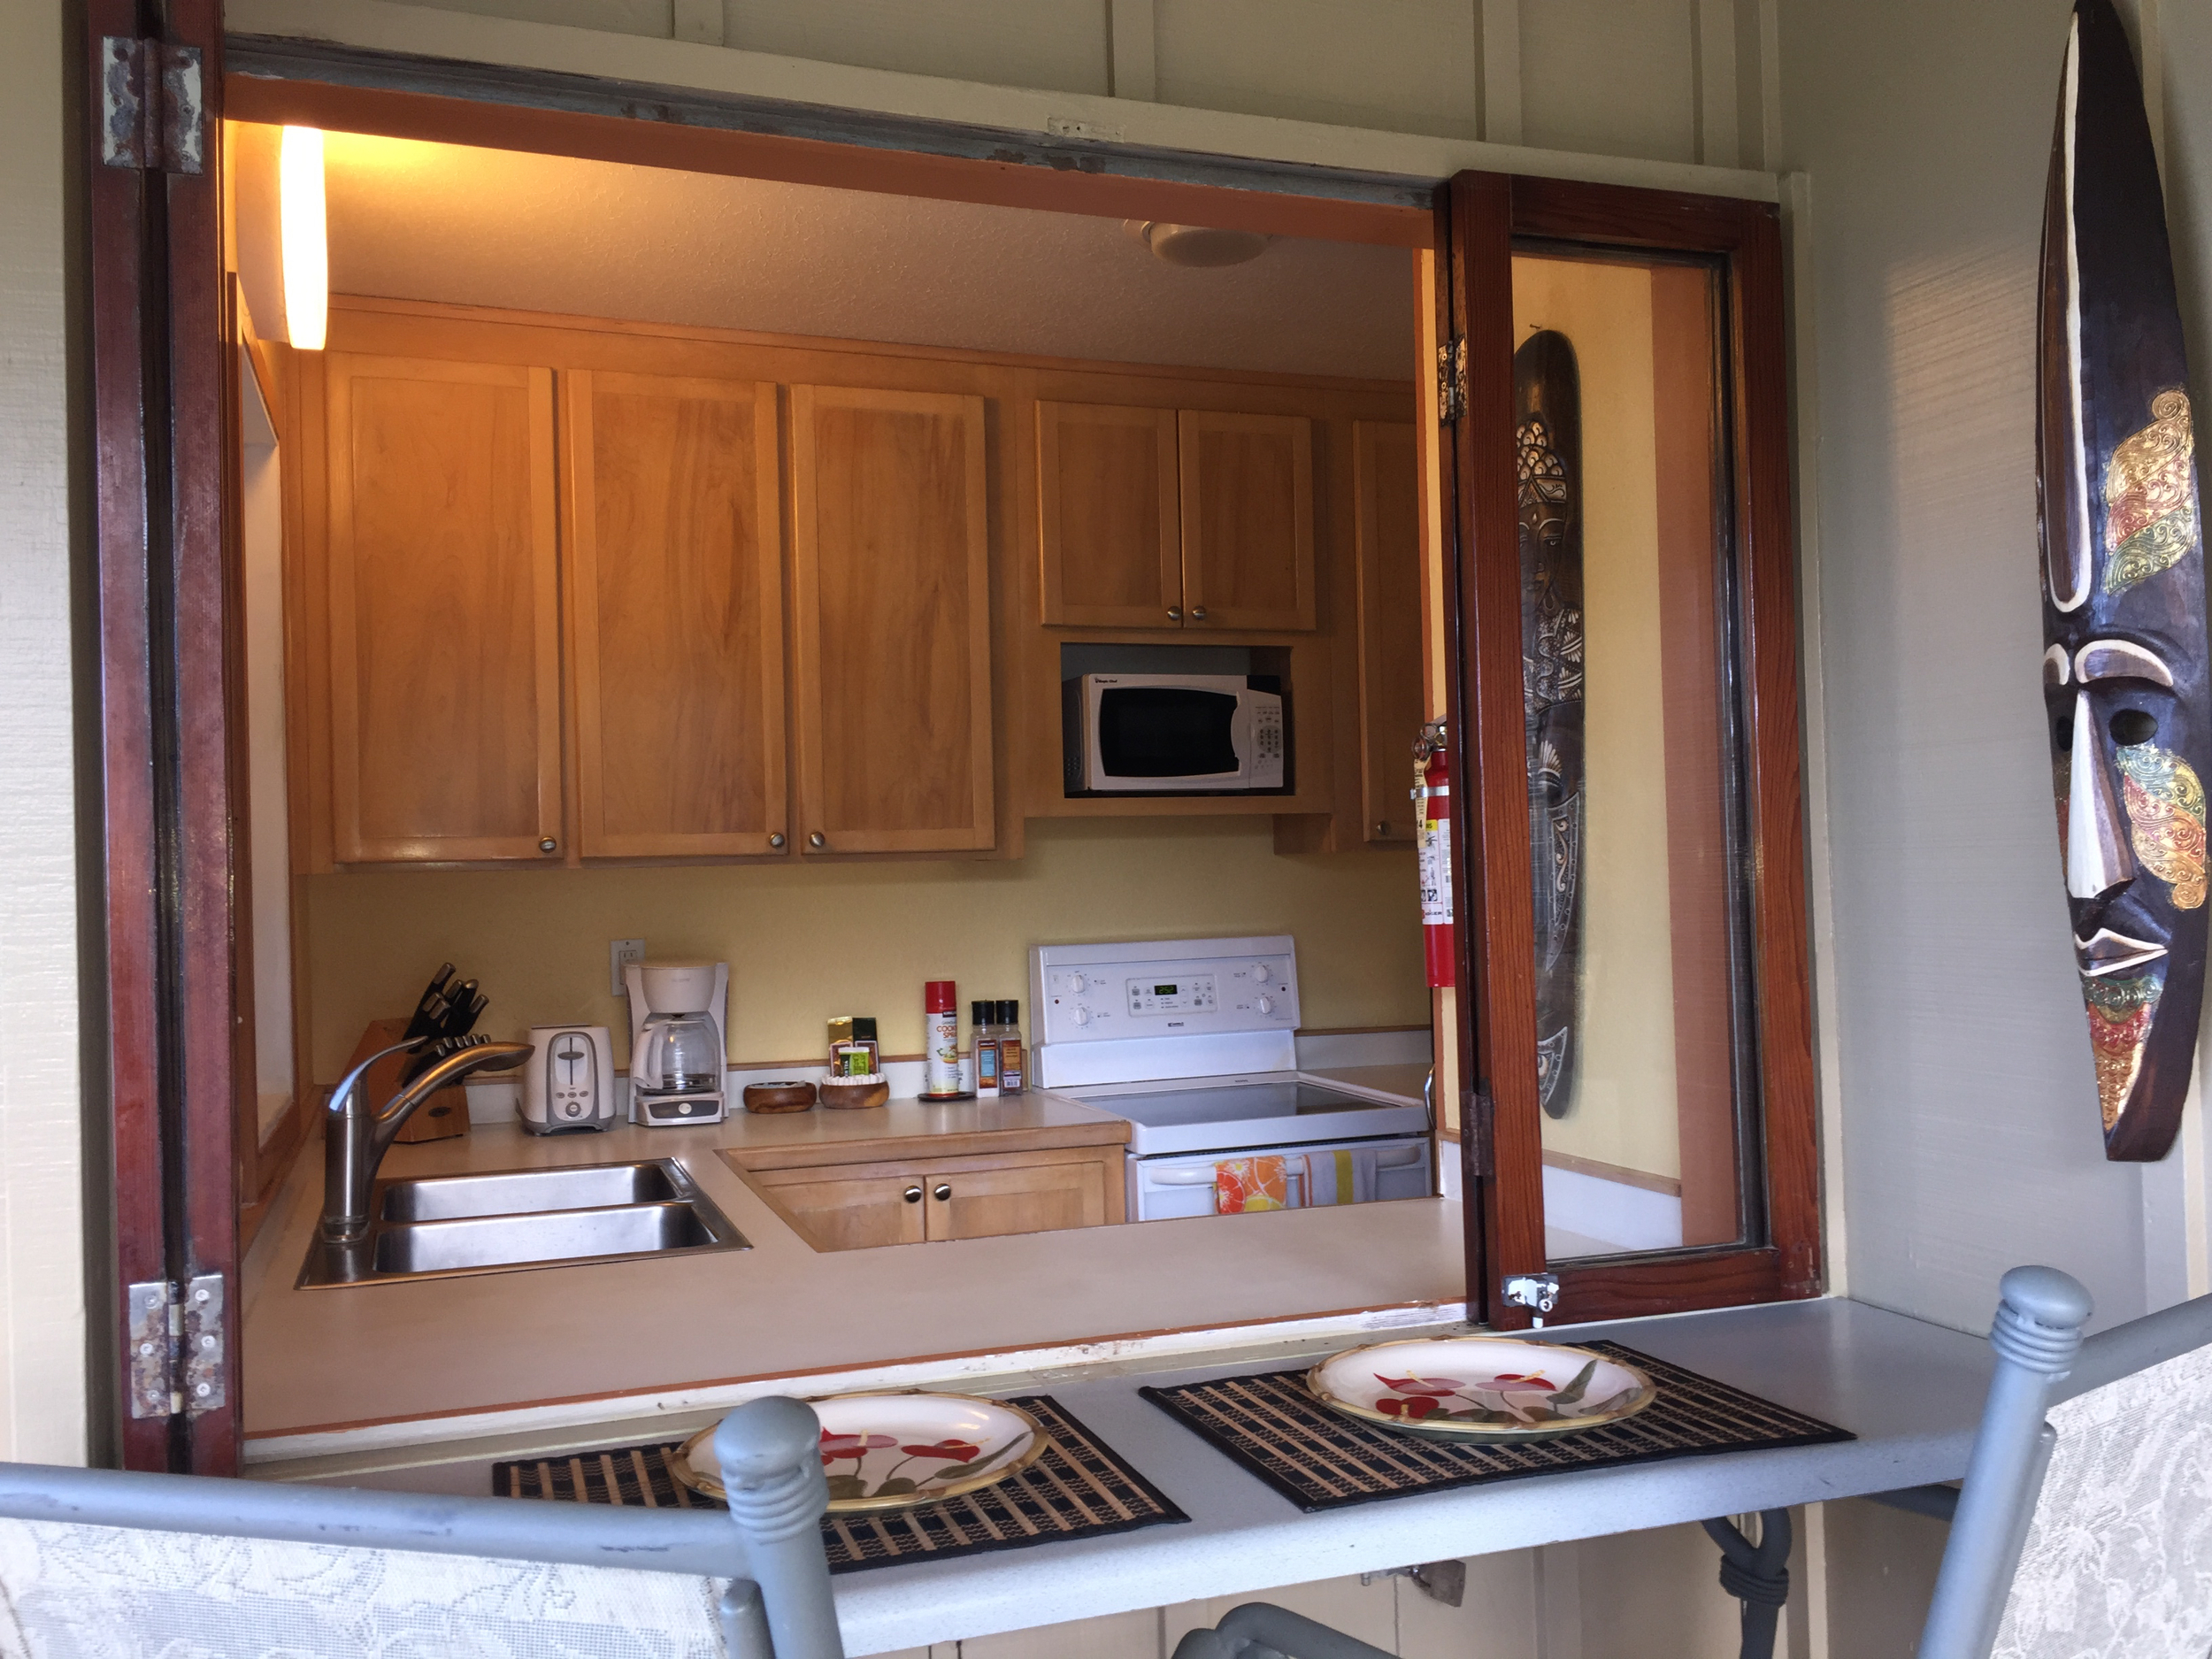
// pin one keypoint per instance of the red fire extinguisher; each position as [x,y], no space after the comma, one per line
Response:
[1433,832]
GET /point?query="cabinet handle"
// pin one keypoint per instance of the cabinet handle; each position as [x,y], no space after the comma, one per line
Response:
[1175,613]
[943,1192]
[546,844]
[913,1195]
[1198,613]
[776,840]
[815,839]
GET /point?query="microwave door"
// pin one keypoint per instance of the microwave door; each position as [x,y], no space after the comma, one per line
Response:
[1154,737]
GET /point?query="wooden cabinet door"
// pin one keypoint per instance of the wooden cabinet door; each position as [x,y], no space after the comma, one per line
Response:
[1387,533]
[847,1212]
[444,612]
[1109,525]
[1247,520]
[995,1199]
[675,584]
[892,620]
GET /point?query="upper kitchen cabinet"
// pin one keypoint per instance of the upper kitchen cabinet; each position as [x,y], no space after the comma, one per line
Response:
[1109,523]
[1152,517]
[444,655]
[675,591]
[891,620]
[1247,520]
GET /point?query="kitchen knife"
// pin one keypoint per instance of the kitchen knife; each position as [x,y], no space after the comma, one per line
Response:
[456,1016]
[422,1023]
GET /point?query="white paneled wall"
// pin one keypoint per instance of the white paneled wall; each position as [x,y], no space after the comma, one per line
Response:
[41,1223]
[1679,81]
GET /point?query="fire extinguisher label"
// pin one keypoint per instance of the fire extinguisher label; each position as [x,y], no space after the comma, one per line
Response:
[1435,845]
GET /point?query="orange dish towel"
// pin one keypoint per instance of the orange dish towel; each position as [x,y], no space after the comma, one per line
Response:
[1244,1184]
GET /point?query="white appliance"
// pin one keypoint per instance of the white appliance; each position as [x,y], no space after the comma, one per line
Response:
[1194,1042]
[568,1080]
[679,1050]
[1165,733]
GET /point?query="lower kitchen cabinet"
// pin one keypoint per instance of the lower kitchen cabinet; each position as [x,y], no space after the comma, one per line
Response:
[856,1207]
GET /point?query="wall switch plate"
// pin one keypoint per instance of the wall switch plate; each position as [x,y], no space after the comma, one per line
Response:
[621,952]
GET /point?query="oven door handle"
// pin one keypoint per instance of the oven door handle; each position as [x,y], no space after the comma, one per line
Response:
[1180,1178]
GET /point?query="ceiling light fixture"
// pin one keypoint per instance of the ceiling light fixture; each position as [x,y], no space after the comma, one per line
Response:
[305,238]
[1197,246]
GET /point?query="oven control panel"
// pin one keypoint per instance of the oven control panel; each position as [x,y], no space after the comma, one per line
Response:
[1181,987]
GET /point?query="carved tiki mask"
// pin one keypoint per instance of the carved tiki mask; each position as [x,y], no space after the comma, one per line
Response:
[1548,440]
[2124,682]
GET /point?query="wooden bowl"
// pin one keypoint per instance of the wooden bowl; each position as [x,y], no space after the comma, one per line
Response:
[784,1095]
[854,1096]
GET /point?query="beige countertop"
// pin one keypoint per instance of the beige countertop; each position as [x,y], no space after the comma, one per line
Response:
[440,1358]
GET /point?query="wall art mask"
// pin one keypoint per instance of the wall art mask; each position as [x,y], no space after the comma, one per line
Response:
[2125,677]
[1548,440]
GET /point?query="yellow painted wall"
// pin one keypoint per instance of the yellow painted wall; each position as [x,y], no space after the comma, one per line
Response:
[1623,1108]
[807,941]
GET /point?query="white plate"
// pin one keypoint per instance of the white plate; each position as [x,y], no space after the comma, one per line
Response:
[1480,1387]
[889,1451]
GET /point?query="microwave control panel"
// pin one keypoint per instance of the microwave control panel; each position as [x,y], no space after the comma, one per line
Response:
[1124,993]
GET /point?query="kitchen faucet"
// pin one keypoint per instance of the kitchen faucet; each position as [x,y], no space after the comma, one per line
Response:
[356,1139]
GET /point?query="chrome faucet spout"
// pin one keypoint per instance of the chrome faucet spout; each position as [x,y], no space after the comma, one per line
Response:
[355,1137]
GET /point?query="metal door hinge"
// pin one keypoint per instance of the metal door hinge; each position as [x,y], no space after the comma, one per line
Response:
[1451,379]
[176,1346]
[153,110]
[1475,1130]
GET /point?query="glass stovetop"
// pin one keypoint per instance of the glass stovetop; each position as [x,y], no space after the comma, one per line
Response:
[1233,1102]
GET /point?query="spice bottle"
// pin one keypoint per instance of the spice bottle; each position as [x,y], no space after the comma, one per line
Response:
[1009,1047]
[985,1037]
[941,1040]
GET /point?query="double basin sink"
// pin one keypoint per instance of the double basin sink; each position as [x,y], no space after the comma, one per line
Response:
[445,1225]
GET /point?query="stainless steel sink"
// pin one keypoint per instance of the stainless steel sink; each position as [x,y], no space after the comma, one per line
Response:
[443,1227]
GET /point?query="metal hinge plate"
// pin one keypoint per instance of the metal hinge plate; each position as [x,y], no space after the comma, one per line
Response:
[1451,379]
[177,1350]
[153,106]
[1538,1292]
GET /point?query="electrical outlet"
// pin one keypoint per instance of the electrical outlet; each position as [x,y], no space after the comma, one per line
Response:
[619,952]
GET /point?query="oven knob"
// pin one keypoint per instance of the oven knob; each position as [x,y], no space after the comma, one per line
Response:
[1081,1015]
[1265,1005]
[1078,984]
[1261,973]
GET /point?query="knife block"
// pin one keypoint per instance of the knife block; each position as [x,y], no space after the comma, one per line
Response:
[444,1115]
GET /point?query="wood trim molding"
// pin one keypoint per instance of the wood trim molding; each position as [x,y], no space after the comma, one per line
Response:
[1669,1185]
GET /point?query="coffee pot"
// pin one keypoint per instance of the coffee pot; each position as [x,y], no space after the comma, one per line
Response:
[678,1052]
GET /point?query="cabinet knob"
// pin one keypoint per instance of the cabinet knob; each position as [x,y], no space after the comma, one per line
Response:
[546,844]
[1198,613]
[943,1192]
[913,1195]
[1175,613]
[815,839]
[776,840]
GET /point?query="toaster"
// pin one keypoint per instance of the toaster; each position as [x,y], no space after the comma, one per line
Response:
[568,1081]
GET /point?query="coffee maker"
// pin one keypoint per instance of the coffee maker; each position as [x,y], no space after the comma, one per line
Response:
[679,1056]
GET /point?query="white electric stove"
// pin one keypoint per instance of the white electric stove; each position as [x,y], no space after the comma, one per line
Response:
[1194,1042]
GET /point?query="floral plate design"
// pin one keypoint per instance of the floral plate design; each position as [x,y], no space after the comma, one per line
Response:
[890,1451]
[1480,1387]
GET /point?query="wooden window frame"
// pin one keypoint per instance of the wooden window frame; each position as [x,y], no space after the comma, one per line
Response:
[1481,218]
[160,790]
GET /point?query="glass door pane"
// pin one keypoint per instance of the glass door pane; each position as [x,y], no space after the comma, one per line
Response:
[1643,1000]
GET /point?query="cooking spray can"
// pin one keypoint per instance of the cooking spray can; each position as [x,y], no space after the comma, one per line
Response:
[940,1042]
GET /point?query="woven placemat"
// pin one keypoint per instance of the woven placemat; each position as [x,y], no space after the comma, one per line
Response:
[1079,1488]
[1321,1459]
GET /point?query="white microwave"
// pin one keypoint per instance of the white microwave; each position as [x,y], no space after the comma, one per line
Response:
[1166,734]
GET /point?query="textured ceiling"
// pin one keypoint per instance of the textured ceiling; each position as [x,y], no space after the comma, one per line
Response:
[545,233]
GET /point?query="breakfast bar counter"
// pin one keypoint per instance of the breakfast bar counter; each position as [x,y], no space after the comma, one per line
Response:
[378,1370]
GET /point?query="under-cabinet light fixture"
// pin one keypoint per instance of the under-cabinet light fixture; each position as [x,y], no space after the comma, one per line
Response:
[306,247]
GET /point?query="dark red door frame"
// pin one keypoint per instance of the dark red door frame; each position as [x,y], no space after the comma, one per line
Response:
[1481,215]
[154,258]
